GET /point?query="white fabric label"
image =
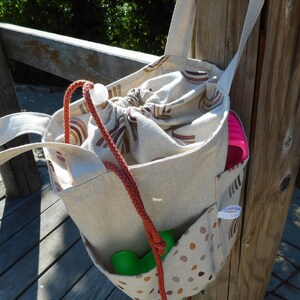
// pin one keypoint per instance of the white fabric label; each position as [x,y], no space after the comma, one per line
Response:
[230,212]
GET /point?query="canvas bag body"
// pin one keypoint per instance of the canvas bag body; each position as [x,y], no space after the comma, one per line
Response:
[182,192]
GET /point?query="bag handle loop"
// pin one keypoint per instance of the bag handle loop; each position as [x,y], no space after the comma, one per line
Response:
[181,33]
[77,158]
[181,28]
[253,11]
[17,124]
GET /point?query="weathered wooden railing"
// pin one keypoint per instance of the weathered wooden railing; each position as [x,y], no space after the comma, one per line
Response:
[68,57]
[265,94]
[65,57]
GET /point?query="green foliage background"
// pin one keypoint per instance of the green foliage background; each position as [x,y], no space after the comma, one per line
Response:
[140,25]
[132,24]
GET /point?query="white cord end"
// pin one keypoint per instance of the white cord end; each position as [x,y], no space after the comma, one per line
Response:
[99,94]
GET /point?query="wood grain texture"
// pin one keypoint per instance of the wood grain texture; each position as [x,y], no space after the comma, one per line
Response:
[20,175]
[266,96]
[35,263]
[30,235]
[7,206]
[15,219]
[216,38]
[217,32]
[58,279]
[298,179]
[275,153]
[44,258]
[93,285]
[68,57]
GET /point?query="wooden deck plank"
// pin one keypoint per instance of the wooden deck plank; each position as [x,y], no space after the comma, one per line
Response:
[14,219]
[7,206]
[23,274]
[118,294]
[58,280]
[291,231]
[30,236]
[93,285]
[14,204]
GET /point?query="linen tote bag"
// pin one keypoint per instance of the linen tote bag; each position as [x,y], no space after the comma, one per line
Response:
[147,155]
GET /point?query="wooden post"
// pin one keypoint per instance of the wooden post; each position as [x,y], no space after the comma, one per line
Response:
[298,180]
[20,175]
[266,94]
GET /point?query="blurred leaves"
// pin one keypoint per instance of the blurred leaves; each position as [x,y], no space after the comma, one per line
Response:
[140,25]
[134,24]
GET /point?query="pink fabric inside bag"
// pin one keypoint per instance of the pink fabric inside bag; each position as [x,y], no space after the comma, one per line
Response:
[237,142]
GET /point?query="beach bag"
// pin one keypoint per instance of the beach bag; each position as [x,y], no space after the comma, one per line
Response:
[142,165]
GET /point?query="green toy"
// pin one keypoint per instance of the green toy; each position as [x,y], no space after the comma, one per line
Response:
[126,262]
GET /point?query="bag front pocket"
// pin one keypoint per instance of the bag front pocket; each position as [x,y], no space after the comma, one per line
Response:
[191,264]
[228,191]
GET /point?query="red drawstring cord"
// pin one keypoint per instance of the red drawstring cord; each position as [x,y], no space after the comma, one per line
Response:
[123,172]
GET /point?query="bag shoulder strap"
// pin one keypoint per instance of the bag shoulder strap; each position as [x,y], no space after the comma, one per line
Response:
[181,28]
[21,123]
[254,9]
[181,33]
[83,165]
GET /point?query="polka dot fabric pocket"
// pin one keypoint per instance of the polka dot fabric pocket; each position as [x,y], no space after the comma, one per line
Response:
[196,258]
[190,265]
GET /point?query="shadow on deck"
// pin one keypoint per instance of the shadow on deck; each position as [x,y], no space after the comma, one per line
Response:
[41,253]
